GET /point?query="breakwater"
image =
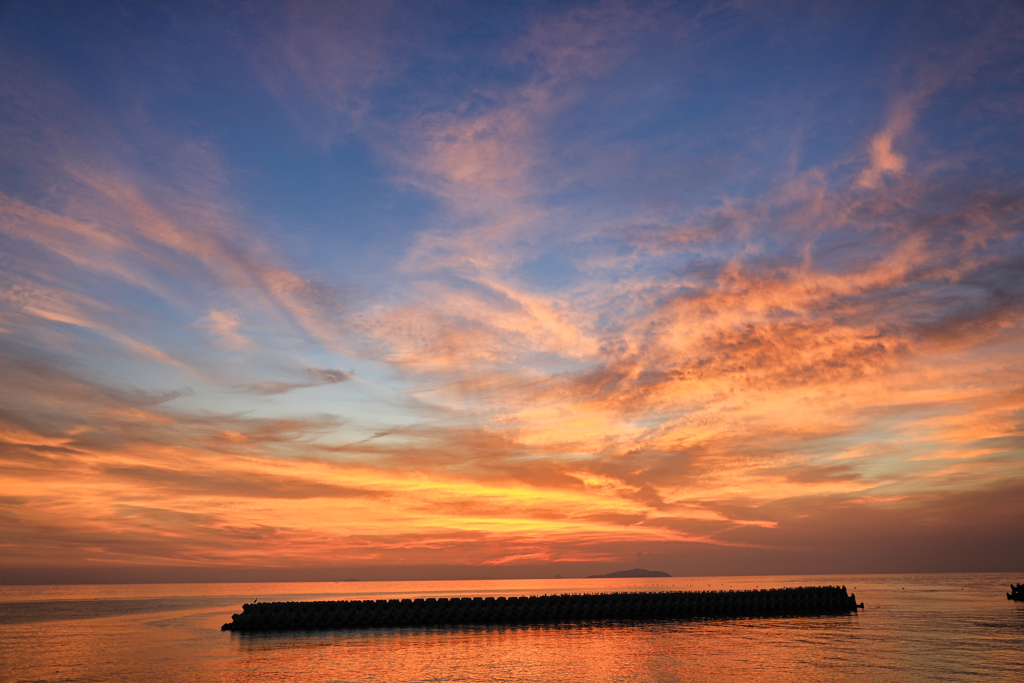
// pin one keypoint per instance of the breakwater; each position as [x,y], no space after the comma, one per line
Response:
[541,609]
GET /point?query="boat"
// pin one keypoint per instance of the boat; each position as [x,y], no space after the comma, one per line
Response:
[1016,592]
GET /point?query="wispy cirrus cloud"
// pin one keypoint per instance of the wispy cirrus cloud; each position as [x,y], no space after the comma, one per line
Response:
[313,377]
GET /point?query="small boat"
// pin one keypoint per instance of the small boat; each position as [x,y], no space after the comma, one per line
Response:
[1016,592]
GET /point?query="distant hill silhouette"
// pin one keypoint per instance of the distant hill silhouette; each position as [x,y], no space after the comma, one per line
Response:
[630,574]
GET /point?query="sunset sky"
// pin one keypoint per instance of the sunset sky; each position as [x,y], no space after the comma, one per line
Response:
[509,289]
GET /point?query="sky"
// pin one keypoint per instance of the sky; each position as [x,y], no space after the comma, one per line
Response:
[318,290]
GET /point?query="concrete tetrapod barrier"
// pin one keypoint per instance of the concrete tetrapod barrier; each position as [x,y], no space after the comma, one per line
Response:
[540,609]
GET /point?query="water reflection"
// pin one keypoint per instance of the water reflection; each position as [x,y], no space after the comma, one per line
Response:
[736,649]
[951,627]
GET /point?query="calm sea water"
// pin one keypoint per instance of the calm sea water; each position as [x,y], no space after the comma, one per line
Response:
[953,627]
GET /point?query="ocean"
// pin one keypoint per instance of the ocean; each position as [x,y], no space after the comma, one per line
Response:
[919,627]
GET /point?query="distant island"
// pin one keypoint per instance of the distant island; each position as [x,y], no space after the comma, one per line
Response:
[630,574]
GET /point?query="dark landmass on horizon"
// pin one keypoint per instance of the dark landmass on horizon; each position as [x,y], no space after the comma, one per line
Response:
[999,549]
[631,574]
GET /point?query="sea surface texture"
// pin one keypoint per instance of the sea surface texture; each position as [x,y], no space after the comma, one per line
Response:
[928,627]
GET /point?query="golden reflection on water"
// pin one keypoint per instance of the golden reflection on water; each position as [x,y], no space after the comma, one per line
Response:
[749,650]
[953,627]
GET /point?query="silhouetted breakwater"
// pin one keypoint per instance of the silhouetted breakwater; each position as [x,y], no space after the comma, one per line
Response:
[1016,592]
[544,609]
